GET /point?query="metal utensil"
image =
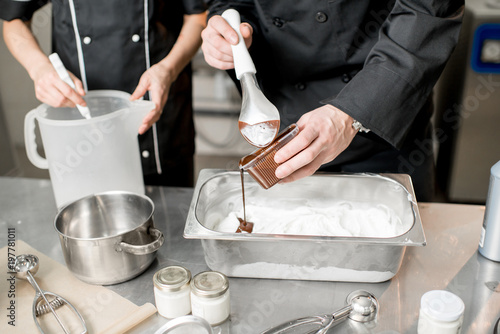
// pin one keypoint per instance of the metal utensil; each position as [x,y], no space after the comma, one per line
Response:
[362,306]
[63,74]
[259,120]
[25,267]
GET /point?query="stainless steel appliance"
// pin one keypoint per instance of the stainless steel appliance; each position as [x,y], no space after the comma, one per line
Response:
[468,106]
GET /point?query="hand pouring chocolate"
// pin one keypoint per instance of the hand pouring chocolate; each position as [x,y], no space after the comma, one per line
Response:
[259,120]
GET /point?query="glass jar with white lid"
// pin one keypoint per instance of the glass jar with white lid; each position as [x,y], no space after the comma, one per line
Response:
[210,298]
[441,312]
[172,291]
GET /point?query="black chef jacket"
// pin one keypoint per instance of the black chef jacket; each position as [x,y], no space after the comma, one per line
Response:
[112,36]
[375,60]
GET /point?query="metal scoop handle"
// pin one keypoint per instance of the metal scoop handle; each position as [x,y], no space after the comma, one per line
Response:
[25,267]
[41,294]
[325,321]
[242,60]
[356,312]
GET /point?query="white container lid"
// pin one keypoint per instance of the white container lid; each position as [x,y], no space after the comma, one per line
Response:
[209,284]
[172,278]
[442,305]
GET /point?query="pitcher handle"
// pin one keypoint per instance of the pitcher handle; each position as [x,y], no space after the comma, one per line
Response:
[143,249]
[30,141]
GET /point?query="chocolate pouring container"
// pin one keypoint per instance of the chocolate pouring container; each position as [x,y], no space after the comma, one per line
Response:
[303,257]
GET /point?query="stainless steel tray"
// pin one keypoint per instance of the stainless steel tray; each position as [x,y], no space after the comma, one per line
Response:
[305,257]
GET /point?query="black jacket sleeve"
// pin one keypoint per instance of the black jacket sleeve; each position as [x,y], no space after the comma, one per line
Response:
[12,9]
[246,8]
[399,73]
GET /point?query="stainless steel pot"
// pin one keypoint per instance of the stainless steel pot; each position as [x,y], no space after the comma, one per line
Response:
[109,237]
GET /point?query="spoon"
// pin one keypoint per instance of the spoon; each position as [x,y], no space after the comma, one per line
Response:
[362,306]
[25,267]
[259,119]
[64,75]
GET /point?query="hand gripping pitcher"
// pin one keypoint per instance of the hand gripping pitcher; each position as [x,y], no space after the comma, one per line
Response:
[87,156]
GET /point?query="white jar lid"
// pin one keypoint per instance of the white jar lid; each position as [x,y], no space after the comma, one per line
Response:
[209,284]
[442,305]
[172,278]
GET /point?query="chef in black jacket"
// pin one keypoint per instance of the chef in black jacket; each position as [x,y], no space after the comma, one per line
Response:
[110,45]
[356,76]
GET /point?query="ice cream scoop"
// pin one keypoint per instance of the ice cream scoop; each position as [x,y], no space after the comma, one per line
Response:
[362,306]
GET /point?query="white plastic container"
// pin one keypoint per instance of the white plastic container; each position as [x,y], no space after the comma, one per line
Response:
[89,156]
[172,291]
[441,312]
[210,297]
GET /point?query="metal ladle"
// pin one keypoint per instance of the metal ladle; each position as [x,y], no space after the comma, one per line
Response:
[362,306]
[259,120]
[25,267]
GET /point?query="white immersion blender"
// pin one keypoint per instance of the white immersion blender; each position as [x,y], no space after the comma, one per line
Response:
[64,75]
[259,119]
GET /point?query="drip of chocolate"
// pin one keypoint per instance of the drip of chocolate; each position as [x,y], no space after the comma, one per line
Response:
[244,226]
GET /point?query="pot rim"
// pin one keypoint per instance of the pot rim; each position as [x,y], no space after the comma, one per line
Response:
[114,236]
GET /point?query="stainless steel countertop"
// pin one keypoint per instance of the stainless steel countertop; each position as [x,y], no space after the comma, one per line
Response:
[450,261]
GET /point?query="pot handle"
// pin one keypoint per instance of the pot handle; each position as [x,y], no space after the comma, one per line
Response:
[143,249]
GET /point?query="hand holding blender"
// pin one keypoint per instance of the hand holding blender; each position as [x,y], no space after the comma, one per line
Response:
[63,74]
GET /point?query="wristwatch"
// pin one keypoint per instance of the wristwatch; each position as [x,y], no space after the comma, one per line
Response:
[359,127]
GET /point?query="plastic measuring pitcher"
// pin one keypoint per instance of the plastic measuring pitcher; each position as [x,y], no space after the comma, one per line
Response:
[87,156]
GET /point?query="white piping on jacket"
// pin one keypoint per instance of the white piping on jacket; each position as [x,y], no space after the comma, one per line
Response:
[148,65]
[79,50]
[81,64]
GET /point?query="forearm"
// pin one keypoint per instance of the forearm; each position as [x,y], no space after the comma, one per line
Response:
[187,44]
[24,47]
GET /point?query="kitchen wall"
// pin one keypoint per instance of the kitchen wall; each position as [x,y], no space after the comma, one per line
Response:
[16,87]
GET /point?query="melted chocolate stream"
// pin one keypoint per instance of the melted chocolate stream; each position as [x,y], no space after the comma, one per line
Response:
[244,225]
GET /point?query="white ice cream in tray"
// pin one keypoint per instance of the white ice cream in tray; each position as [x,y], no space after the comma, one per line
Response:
[317,217]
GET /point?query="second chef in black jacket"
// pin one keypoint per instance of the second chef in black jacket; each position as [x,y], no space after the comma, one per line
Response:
[133,46]
[337,67]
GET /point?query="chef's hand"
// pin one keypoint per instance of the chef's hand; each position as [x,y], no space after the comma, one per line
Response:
[51,89]
[324,133]
[157,80]
[217,39]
